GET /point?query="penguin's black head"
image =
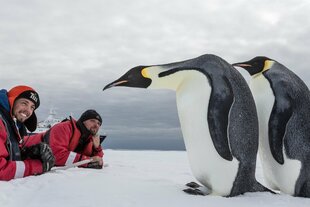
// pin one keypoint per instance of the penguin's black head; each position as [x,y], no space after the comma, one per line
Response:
[254,66]
[135,77]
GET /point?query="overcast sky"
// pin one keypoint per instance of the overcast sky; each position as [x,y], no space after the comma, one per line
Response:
[68,50]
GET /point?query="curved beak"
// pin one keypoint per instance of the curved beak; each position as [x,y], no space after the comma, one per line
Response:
[242,65]
[115,83]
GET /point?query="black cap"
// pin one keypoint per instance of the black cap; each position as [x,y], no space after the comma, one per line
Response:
[32,96]
[90,114]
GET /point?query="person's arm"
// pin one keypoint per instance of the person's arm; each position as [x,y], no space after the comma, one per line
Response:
[97,153]
[15,169]
[33,139]
[93,150]
[96,148]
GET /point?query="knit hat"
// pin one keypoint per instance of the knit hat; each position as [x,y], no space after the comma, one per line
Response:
[90,114]
[27,93]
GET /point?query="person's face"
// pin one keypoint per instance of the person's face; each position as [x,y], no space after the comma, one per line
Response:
[92,125]
[23,109]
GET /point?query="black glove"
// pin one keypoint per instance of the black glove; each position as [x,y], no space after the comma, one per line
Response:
[42,152]
[32,152]
[94,165]
[47,157]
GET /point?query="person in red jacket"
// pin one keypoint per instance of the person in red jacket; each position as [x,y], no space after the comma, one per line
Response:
[72,141]
[19,155]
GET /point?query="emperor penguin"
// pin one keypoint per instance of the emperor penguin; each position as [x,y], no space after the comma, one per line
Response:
[283,106]
[217,116]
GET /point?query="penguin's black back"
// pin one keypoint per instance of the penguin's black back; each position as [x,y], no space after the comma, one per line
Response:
[297,137]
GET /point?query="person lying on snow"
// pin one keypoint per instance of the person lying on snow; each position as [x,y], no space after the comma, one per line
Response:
[72,141]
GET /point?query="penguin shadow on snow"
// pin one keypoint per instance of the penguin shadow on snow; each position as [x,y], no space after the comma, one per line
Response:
[217,116]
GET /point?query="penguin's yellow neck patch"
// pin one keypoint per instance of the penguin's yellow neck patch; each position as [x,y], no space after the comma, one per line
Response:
[268,65]
[144,73]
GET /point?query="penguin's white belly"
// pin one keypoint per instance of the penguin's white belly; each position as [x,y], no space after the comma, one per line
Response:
[282,177]
[207,165]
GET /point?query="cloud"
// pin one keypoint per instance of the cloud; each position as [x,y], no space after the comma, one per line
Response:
[69,50]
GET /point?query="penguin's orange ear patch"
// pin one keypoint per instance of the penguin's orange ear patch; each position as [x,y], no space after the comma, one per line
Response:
[144,73]
[267,65]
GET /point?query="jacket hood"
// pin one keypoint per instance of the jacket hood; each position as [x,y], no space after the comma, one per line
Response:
[4,101]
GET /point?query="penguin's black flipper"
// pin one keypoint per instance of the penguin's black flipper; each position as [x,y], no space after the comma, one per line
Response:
[281,113]
[218,114]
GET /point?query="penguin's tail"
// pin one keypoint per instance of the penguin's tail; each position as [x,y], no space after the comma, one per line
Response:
[257,187]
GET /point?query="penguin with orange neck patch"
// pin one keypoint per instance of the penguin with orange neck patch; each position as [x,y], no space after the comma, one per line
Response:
[218,119]
[283,107]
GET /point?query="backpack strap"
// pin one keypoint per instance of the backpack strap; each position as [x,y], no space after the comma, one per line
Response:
[12,144]
[46,137]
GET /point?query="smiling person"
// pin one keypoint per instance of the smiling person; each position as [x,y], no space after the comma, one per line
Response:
[72,141]
[19,155]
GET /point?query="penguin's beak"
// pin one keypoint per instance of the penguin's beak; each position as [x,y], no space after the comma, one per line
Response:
[249,67]
[135,77]
[115,83]
[242,65]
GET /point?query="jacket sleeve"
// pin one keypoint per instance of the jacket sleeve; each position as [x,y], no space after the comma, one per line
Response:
[89,150]
[33,139]
[15,169]
[60,135]
[98,151]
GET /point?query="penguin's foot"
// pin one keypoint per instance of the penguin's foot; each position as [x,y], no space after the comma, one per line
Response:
[194,191]
[193,185]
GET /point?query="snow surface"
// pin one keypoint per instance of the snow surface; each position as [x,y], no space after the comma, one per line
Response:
[133,178]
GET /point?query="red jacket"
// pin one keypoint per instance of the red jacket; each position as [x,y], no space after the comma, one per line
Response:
[63,140]
[10,169]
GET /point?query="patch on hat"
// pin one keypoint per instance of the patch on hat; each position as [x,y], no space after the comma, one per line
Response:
[34,97]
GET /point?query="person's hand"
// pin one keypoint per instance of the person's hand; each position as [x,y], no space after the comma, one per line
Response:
[47,157]
[96,141]
[42,152]
[96,163]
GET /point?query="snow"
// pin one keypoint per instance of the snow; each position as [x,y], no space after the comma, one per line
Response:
[132,178]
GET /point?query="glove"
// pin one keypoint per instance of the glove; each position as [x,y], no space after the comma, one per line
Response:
[47,157]
[97,163]
[42,152]
[32,152]
[94,165]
